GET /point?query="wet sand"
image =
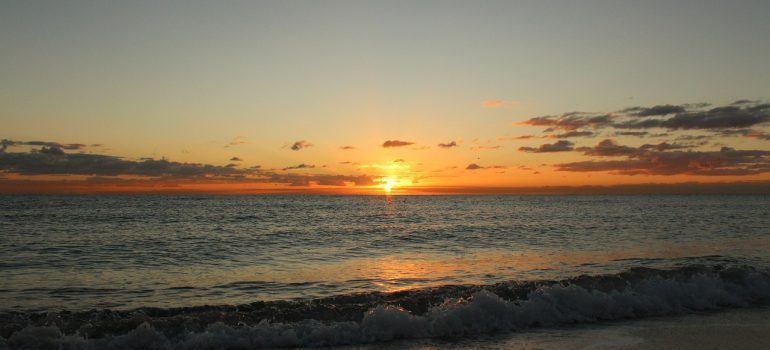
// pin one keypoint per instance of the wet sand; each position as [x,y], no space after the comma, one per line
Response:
[731,329]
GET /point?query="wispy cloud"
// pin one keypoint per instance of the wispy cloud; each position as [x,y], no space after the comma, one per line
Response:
[448,144]
[238,140]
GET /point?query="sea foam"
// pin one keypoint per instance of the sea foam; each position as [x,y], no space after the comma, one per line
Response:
[502,307]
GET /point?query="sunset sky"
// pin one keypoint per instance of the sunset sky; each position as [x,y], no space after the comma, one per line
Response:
[358,96]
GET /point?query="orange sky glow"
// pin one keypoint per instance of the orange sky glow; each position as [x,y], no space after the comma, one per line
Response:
[283,97]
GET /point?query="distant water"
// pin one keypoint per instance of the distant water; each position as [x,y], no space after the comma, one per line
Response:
[273,271]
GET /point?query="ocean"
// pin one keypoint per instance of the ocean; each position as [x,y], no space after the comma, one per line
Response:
[274,271]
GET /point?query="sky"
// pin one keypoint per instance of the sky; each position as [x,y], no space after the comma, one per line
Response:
[368,96]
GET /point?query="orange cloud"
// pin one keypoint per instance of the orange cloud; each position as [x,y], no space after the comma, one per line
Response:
[492,103]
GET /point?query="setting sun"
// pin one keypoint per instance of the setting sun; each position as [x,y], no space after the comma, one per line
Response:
[387,185]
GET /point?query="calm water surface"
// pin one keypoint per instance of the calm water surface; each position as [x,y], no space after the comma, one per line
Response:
[123,252]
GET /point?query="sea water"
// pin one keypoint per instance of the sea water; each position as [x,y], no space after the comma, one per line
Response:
[179,272]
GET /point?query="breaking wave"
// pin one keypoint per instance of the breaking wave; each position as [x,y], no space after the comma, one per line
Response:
[442,312]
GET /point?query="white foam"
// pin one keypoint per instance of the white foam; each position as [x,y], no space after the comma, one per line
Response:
[483,313]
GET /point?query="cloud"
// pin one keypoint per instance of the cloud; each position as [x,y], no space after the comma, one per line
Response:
[107,169]
[238,140]
[740,102]
[396,143]
[299,166]
[715,118]
[53,161]
[756,134]
[347,147]
[5,143]
[399,160]
[492,103]
[559,146]
[750,133]
[520,137]
[571,121]
[327,180]
[236,159]
[745,114]
[632,133]
[298,145]
[474,166]
[610,148]
[488,147]
[571,134]
[665,159]
[658,110]
[448,145]
[665,146]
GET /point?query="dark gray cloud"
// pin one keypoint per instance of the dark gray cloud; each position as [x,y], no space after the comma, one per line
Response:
[750,133]
[665,146]
[742,114]
[474,166]
[299,166]
[715,118]
[5,143]
[396,143]
[298,145]
[236,159]
[610,148]
[112,169]
[448,144]
[659,110]
[571,121]
[520,137]
[571,134]
[651,161]
[558,146]
[53,161]
[632,133]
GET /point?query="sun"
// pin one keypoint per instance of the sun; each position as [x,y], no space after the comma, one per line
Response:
[387,185]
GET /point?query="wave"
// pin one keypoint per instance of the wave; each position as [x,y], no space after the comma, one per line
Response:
[442,312]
